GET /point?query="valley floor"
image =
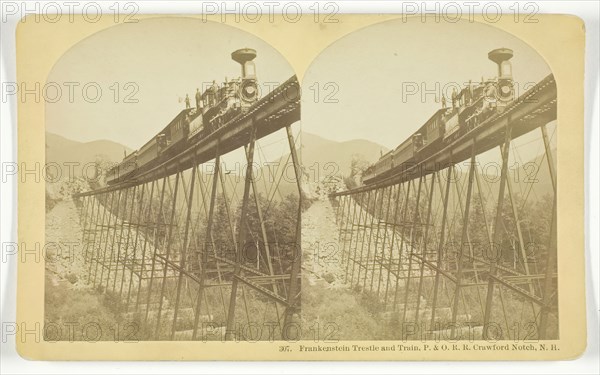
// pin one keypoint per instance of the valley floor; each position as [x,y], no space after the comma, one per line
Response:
[330,309]
[73,311]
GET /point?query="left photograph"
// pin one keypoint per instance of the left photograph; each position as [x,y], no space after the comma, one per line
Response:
[174,189]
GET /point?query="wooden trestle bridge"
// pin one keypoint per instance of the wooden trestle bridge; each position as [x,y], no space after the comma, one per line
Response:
[454,253]
[187,256]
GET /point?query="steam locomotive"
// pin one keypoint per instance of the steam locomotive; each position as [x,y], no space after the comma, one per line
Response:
[471,106]
[216,106]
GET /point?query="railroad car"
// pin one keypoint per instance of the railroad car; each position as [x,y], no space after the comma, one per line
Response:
[471,106]
[125,169]
[218,106]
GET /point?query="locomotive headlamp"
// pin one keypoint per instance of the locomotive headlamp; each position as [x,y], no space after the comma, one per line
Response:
[506,90]
[249,91]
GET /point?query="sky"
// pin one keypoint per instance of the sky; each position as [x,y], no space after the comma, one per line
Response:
[370,70]
[163,58]
[355,89]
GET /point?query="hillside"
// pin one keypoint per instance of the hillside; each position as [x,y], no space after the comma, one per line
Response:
[529,177]
[320,158]
[60,150]
[318,152]
[323,158]
[534,175]
[77,162]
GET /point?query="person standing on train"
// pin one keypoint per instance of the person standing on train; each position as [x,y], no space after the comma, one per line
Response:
[198,100]
[454,98]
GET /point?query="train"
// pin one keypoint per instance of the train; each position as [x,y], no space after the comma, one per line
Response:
[215,107]
[471,106]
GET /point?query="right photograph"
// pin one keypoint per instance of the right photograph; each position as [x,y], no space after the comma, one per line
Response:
[430,154]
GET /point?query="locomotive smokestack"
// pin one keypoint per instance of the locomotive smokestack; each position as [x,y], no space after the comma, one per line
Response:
[244,57]
[501,56]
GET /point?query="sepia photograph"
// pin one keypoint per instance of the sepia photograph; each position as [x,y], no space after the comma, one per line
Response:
[334,187]
[184,212]
[438,221]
